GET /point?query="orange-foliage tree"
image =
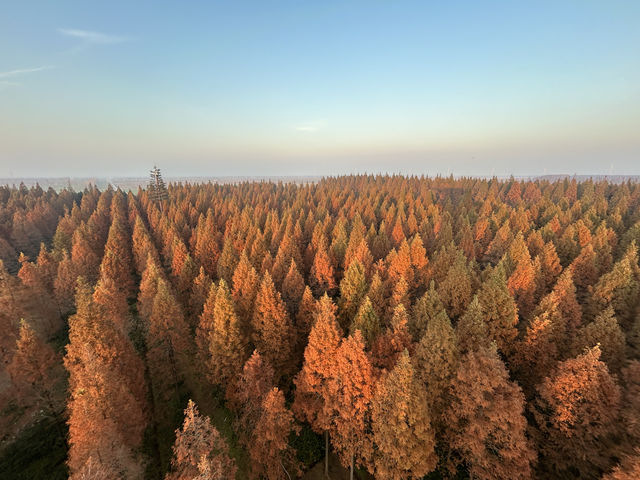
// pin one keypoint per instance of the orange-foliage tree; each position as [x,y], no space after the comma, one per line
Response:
[485,419]
[402,435]
[271,456]
[199,451]
[577,413]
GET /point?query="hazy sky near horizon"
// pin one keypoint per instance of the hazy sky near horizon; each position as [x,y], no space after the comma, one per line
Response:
[319,87]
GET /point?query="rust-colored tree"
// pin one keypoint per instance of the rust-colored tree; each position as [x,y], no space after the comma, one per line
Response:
[402,435]
[271,456]
[107,392]
[313,397]
[199,451]
[221,346]
[486,424]
[351,390]
[273,333]
[577,413]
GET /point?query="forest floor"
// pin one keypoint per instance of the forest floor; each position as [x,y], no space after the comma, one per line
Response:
[336,471]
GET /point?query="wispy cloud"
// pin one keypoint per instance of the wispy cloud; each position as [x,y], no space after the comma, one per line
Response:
[306,128]
[4,84]
[23,71]
[310,127]
[93,37]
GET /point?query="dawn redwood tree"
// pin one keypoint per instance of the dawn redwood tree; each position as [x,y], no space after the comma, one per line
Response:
[367,322]
[221,345]
[322,276]
[199,451]
[471,331]
[117,262]
[33,371]
[64,283]
[537,353]
[271,456]
[456,289]
[522,280]
[353,289]
[619,288]
[206,250]
[107,412]
[168,344]
[577,413]
[313,395]
[352,389]
[605,332]
[485,421]
[256,380]
[424,310]
[400,421]
[499,310]
[631,402]
[272,330]
[305,317]
[393,341]
[245,288]
[293,288]
[629,468]
[198,296]
[114,304]
[436,359]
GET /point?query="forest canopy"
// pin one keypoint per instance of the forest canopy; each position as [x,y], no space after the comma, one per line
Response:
[385,327]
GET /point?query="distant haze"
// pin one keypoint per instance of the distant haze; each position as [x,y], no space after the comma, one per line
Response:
[108,89]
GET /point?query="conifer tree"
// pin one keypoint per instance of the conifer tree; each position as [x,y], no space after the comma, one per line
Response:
[322,276]
[293,288]
[168,344]
[271,456]
[376,294]
[305,316]
[227,261]
[245,288]
[199,451]
[619,288]
[352,387]
[64,283]
[367,322]
[402,434]
[117,262]
[106,406]
[499,310]
[220,342]
[198,296]
[471,331]
[486,425]
[605,332]
[537,353]
[254,383]
[395,339]
[455,290]
[576,412]
[629,468]
[425,309]
[314,383]
[631,402]
[33,371]
[273,333]
[353,288]
[436,359]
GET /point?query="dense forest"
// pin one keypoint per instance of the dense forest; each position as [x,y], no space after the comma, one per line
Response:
[384,327]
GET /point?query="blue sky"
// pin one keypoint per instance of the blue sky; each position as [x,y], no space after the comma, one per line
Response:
[319,87]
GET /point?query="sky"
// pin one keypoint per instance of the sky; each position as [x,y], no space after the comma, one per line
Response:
[319,87]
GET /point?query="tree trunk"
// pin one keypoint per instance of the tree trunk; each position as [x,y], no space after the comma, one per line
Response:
[351,470]
[326,453]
